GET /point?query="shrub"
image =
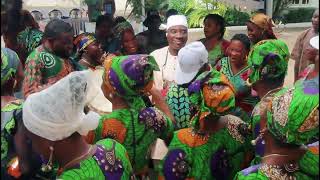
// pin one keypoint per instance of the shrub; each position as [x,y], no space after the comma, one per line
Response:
[296,15]
[197,10]
[179,5]
[235,17]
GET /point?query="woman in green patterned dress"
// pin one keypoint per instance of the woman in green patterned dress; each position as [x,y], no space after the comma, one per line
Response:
[55,127]
[9,104]
[236,69]
[132,123]
[214,29]
[193,56]
[268,62]
[213,148]
[12,140]
[289,122]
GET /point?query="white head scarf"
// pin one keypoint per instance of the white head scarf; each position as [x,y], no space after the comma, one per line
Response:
[177,20]
[57,112]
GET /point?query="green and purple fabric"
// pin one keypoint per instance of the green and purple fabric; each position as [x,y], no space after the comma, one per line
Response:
[110,161]
[195,155]
[130,77]
[308,168]
[212,94]
[9,64]
[294,118]
[268,59]
[138,126]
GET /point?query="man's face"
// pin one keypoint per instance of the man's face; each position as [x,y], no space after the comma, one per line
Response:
[315,20]
[62,46]
[177,37]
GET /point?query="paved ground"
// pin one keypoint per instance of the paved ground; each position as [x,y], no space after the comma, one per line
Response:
[288,35]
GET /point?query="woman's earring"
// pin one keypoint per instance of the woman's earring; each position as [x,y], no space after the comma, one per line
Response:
[111,95]
[260,136]
[248,82]
[48,167]
[15,84]
[254,142]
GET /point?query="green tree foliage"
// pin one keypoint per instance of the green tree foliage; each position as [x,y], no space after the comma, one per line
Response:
[236,17]
[196,11]
[149,5]
[179,5]
[294,15]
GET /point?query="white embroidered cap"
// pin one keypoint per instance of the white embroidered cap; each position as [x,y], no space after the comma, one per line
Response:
[57,112]
[177,20]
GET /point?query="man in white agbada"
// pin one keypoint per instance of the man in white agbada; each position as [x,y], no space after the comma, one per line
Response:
[177,36]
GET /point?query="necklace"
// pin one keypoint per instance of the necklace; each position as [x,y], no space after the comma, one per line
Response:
[271,92]
[271,155]
[275,172]
[75,160]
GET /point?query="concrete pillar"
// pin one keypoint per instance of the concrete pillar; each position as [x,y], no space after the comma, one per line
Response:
[269,7]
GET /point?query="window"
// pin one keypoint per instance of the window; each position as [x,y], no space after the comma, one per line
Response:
[295,1]
[305,1]
[300,1]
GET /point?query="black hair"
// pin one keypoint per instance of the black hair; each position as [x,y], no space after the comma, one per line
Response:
[55,27]
[273,82]
[244,39]
[219,20]
[171,12]
[119,19]
[104,18]
[13,15]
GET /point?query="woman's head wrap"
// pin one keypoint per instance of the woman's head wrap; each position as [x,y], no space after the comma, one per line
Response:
[211,93]
[268,59]
[293,116]
[264,22]
[9,64]
[83,40]
[57,112]
[121,27]
[130,76]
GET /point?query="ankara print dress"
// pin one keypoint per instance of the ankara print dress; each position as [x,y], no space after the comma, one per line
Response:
[110,161]
[137,131]
[8,129]
[245,102]
[197,156]
[308,169]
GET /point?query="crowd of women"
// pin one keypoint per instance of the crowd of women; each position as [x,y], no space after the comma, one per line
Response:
[209,109]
